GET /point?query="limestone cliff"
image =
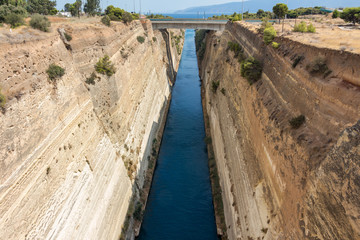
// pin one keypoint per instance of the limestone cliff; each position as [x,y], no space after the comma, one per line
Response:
[73,154]
[279,182]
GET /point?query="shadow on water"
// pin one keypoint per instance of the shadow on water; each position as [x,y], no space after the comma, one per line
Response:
[180,202]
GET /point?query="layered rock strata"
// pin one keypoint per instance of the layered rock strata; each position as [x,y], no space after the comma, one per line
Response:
[279,182]
[73,154]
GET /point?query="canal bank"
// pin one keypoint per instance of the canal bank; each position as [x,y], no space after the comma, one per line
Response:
[180,201]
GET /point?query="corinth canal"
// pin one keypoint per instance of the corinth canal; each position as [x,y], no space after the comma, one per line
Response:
[180,201]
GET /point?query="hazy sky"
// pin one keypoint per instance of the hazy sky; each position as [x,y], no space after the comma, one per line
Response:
[168,6]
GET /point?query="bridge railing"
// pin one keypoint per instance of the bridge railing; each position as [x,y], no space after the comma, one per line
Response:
[186,20]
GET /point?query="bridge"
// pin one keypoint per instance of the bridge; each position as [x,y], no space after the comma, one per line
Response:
[188,23]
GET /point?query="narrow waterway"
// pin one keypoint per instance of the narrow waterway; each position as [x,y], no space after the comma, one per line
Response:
[180,202]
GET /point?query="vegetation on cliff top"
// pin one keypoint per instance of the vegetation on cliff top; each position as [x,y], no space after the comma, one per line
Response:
[302,27]
[40,22]
[158,16]
[106,20]
[118,14]
[280,10]
[351,15]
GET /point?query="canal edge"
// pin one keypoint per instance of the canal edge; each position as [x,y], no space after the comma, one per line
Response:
[214,176]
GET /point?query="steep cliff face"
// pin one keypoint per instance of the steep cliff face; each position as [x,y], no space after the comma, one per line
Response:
[73,154]
[279,182]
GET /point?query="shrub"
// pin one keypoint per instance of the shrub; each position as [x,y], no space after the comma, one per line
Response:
[54,71]
[335,14]
[251,69]
[40,22]
[2,100]
[275,45]
[106,20]
[138,211]
[215,85]
[296,122]
[269,34]
[154,39]
[236,48]
[223,91]
[319,66]
[67,36]
[127,17]
[91,79]
[264,24]
[104,66]
[15,20]
[6,10]
[301,27]
[113,17]
[297,60]
[140,39]
[311,28]
[351,15]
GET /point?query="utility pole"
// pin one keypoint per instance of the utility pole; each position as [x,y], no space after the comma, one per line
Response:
[140,9]
[242,13]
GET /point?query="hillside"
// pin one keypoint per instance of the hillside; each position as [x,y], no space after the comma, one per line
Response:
[254,5]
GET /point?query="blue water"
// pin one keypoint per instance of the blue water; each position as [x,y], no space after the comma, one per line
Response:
[180,201]
[189,15]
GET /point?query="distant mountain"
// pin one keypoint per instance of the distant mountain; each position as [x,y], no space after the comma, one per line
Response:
[254,5]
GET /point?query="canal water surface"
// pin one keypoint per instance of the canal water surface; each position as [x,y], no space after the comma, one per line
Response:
[180,202]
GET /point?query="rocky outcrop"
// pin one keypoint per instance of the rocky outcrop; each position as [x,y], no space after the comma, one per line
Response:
[279,182]
[73,154]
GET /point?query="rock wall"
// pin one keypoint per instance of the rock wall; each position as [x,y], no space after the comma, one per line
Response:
[279,182]
[73,154]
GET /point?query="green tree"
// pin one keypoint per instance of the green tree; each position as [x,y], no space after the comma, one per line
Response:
[335,14]
[351,15]
[127,17]
[67,7]
[260,13]
[114,13]
[92,7]
[280,11]
[14,20]
[6,10]
[40,6]
[269,34]
[18,3]
[75,8]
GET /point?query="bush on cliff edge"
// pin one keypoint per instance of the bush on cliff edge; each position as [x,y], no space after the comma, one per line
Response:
[40,22]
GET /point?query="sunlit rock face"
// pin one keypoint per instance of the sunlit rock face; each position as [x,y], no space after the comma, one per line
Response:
[72,154]
[279,182]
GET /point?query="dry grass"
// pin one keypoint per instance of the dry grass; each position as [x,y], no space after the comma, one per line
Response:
[330,33]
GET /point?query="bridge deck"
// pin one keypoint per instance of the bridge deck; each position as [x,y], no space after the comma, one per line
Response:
[218,25]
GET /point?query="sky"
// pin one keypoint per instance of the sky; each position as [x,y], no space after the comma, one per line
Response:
[169,6]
